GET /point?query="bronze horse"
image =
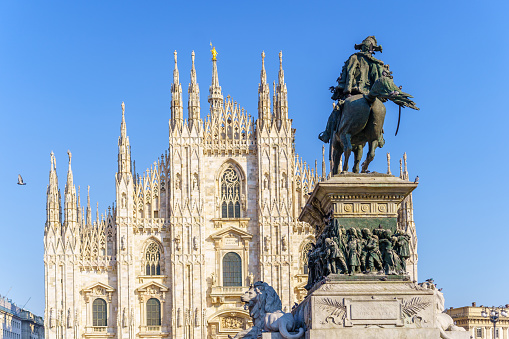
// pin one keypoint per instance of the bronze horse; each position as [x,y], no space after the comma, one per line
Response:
[361,121]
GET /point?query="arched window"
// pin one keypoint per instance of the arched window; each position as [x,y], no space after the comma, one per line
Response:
[232,269]
[99,312]
[152,260]
[230,194]
[304,256]
[153,312]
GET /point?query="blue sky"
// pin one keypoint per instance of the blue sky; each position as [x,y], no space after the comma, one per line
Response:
[65,67]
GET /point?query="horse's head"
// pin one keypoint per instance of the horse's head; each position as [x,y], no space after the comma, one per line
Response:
[385,89]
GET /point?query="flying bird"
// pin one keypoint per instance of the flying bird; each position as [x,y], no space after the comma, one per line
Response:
[20,180]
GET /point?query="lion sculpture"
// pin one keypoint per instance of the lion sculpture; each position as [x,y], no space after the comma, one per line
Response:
[444,321]
[265,309]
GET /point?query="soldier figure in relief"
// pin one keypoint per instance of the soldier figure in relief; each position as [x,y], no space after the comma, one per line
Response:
[353,251]
[402,248]
[373,256]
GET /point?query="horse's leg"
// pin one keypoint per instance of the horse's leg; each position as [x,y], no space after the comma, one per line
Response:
[335,161]
[371,155]
[336,153]
[357,151]
[347,149]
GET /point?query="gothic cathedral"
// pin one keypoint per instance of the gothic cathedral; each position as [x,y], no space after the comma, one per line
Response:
[217,211]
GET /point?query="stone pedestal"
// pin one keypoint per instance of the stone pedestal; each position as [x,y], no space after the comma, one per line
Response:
[374,305]
[368,308]
[357,200]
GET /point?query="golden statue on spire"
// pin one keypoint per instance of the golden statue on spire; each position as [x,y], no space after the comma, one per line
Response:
[214,52]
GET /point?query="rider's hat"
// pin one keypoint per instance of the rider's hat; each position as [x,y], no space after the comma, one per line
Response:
[370,43]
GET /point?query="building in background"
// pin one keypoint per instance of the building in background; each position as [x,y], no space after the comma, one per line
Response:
[184,240]
[470,318]
[17,323]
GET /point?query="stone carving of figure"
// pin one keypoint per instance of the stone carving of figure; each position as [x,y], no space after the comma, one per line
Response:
[122,243]
[337,255]
[179,320]
[266,242]
[124,320]
[213,279]
[177,181]
[195,181]
[353,251]
[51,318]
[319,258]
[243,201]
[373,255]
[69,319]
[390,258]
[195,243]
[177,242]
[402,248]
[329,262]
[251,278]
[284,243]
[196,318]
[363,240]
[311,267]
[76,319]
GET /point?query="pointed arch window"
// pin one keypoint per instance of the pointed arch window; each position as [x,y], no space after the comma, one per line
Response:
[99,312]
[304,257]
[153,312]
[232,269]
[230,194]
[153,260]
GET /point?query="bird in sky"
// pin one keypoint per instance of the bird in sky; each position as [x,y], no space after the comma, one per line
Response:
[20,180]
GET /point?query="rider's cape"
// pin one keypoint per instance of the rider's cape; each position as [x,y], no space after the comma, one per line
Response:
[359,73]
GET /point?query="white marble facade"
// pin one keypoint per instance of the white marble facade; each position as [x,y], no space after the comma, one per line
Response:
[166,241]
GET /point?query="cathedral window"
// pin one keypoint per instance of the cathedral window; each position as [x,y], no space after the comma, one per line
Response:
[230,194]
[153,312]
[99,312]
[232,269]
[153,260]
[304,256]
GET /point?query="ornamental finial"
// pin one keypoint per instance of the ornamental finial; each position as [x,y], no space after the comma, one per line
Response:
[214,52]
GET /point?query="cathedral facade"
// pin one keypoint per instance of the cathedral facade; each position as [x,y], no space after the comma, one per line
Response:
[216,212]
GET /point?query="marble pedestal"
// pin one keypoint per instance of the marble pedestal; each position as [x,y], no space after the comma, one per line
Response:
[368,307]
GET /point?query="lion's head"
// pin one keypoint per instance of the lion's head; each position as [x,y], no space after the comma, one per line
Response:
[261,299]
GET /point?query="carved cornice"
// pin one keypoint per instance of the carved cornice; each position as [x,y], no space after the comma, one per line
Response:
[98,290]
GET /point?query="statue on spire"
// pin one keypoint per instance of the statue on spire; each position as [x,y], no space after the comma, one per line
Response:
[123,107]
[214,52]
[53,160]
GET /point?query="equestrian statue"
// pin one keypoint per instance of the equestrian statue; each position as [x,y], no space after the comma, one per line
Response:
[358,111]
